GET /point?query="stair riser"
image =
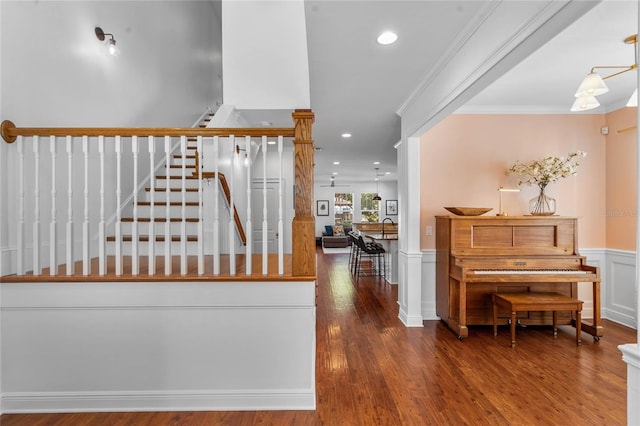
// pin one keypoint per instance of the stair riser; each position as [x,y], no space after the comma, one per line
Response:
[174,211]
[174,197]
[174,228]
[159,248]
[177,161]
[178,172]
[177,183]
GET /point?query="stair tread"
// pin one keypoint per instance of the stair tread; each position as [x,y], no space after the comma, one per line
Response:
[159,238]
[160,219]
[177,177]
[172,189]
[171,203]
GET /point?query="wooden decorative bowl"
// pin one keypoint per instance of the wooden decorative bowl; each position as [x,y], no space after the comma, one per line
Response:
[468,211]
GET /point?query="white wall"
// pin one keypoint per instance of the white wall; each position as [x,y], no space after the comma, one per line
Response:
[158,346]
[55,72]
[388,191]
[259,38]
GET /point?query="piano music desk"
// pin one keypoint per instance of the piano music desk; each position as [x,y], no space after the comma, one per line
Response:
[536,301]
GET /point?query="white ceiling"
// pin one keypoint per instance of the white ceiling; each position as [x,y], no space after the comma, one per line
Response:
[358,85]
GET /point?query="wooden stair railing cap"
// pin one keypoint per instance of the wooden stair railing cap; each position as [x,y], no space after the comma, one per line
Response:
[10,132]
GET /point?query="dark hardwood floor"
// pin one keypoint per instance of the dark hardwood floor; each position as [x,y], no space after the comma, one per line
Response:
[371,370]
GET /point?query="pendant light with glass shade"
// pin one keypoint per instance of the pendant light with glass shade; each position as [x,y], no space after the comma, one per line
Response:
[593,84]
[377,196]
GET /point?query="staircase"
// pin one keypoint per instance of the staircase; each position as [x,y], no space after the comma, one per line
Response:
[167,189]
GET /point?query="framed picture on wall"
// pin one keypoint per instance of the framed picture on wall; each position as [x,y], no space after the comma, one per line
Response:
[322,208]
[392,207]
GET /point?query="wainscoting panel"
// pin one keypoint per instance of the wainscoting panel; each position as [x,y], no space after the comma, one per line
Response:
[158,346]
[617,289]
[620,293]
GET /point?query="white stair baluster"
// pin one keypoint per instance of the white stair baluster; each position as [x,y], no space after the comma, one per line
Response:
[248,227]
[53,235]
[152,217]
[70,242]
[86,265]
[21,212]
[216,208]
[167,224]
[183,227]
[200,212]
[135,261]
[231,227]
[36,206]
[102,235]
[118,242]
[265,224]
[280,210]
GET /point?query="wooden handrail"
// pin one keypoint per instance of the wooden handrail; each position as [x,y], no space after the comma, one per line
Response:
[227,195]
[10,132]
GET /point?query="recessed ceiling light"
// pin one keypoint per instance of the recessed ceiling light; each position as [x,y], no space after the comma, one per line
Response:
[387,37]
[387,173]
[376,162]
[335,173]
[335,163]
[346,135]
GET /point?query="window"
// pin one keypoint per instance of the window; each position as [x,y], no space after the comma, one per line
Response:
[369,208]
[343,209]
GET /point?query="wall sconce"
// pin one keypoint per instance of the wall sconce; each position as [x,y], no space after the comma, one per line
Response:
[501,190]
[113,49]
[593,84]
[246,157]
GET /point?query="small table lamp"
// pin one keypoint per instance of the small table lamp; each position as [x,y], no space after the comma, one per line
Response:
[501,190]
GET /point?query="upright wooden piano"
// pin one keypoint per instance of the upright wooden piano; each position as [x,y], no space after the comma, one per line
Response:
[479,255]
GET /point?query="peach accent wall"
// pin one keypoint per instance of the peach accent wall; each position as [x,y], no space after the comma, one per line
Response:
[621,199]
[464,159]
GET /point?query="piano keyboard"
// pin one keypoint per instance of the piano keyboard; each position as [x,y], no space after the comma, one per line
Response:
[527,271]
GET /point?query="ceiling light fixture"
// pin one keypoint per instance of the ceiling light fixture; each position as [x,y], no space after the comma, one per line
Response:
[593,84]
[113,49]
[377,197]
[387,37]
[346,135]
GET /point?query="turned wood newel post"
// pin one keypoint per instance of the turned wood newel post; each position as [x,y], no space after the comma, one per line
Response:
[304,224]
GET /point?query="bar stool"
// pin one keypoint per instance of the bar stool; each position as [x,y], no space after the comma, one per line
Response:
[372,252]
[354,250]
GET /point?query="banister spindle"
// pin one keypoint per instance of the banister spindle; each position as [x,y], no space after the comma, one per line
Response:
[231,225]
[21,209]
[280,209]
[216,208]
[135,261]
[152,217]
[36,206]
[183,192]
[86,259]
[53,237]
[69,233]
[249,234]
[118,242]
[167,224]
[200,212]
[265,223]
[102,234]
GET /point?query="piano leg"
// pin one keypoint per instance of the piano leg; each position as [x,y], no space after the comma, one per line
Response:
[513,329]
[596,329]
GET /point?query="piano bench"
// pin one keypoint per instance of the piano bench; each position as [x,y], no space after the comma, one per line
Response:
[536,301]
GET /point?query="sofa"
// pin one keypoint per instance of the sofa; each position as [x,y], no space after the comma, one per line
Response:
[336,236]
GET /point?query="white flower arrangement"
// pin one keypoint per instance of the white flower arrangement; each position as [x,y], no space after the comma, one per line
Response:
[546,170]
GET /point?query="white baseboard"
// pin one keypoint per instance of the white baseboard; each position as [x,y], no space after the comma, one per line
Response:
[58,402]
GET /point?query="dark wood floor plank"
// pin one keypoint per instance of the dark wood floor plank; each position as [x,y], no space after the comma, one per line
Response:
[371,370]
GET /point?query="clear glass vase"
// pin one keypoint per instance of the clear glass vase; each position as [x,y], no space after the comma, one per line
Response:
[542,204]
